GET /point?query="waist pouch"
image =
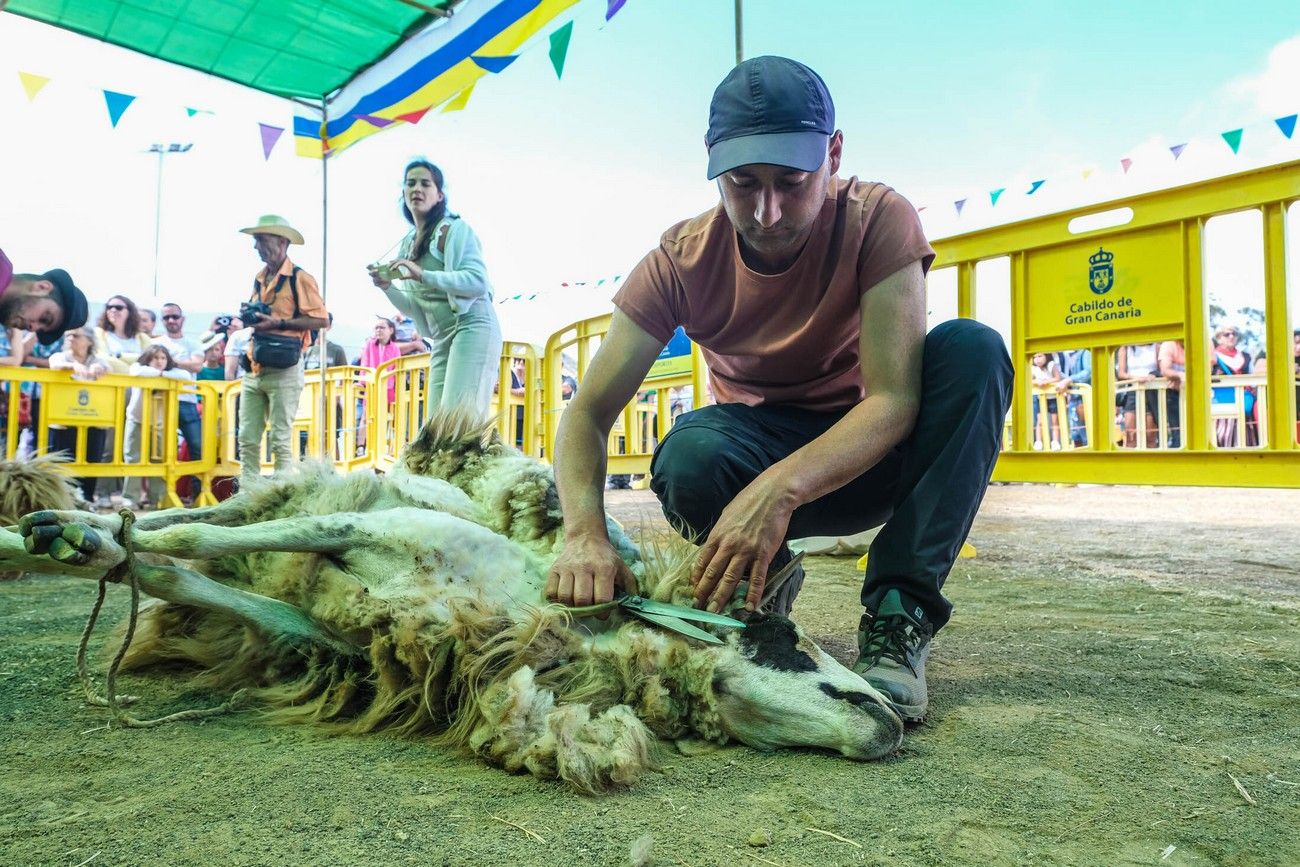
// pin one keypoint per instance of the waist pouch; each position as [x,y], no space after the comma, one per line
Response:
[277,350]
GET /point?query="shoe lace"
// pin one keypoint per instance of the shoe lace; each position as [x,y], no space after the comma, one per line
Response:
[890,638]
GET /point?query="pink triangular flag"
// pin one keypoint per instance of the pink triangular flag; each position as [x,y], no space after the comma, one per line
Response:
[1126,163]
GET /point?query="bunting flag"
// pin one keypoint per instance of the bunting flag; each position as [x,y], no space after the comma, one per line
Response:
[560,48]
[435,65]
[459,101]
[612,9]
[117,104]
[494,64]
[1233,138]
[270,135]
[959,204]
[193,111]
[995,195]
[414,117]
[1127,164]
[1087,173]
[380,122]
[1177,150]
[33,83]
[1033,188]
[1286,125]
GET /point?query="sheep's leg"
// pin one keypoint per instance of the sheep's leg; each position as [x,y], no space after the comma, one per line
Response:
[15,557]
[276,619]
[82,542]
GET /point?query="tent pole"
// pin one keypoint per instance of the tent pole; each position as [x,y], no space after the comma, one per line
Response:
[322,345]
[740,35]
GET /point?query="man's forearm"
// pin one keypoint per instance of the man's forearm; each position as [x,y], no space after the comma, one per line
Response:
[853,445]
[303,323]
[580,465]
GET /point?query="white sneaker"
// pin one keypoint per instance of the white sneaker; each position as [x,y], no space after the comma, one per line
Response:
[1056,447]
[1038,447]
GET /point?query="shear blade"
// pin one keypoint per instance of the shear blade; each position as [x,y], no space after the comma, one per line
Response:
[676,625]
[641,605]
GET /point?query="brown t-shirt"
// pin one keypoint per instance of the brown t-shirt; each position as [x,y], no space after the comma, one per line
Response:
[789,338]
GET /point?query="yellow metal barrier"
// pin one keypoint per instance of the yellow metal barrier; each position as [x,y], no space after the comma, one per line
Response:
[647,421]
[519,417]
[1142,282]
[69,409]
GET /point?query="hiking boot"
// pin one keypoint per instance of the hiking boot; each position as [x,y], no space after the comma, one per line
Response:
[893,646]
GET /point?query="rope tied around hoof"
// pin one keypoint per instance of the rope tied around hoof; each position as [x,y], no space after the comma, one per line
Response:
[111,700]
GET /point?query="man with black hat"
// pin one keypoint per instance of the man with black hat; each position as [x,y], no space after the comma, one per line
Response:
[47,304]
[836,411]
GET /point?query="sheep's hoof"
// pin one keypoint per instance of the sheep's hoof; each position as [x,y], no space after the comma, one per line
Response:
[73,543]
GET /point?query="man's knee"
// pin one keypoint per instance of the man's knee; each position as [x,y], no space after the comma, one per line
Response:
[968,352]
[687,475]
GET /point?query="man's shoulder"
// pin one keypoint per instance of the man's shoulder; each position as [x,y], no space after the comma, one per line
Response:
[690,236]
[866,194]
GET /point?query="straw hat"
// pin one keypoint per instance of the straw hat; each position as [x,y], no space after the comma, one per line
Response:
[271,224]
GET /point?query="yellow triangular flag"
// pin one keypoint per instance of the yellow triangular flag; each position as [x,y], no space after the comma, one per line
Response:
[32,84]
[459,101]
[1087,173]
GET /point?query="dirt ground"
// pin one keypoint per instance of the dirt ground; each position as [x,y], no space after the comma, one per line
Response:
[1120,684]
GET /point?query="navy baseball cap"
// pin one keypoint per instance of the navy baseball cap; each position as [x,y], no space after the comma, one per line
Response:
[769,110]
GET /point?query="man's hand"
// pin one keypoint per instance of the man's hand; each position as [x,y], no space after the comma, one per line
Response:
[1062,386]
[587,572]
[741,547]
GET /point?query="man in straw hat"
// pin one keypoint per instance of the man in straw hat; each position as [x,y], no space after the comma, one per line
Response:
[48,304]
[837,411]
[283,310]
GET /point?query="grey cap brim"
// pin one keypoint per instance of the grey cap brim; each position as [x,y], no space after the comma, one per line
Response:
[805,151]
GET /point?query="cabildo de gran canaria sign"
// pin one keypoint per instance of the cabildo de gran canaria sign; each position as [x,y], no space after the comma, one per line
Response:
[1124,283]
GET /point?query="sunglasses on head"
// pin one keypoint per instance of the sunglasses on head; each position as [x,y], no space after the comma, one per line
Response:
[118,307]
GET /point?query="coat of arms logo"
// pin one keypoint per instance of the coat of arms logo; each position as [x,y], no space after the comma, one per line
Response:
[1101,271]
[83,397]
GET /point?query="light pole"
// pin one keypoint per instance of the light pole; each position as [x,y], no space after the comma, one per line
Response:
[161,150]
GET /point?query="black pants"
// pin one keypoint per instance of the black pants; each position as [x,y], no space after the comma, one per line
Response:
[65,440]
[925,491]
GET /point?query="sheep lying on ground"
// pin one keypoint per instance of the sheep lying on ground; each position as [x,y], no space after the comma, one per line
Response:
[412,602]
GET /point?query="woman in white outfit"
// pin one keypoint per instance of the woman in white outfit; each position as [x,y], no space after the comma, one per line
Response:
[440,281]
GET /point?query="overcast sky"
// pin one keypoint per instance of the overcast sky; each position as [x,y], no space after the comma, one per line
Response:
[575,179]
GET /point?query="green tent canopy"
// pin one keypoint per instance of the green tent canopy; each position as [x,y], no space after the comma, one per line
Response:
[290,48]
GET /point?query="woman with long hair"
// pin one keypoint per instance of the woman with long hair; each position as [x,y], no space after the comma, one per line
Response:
[86,365]
[118,334]
[440,281]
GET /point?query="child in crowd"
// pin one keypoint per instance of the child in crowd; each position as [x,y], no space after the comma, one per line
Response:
[155,361]
[1046,373]
[214,361]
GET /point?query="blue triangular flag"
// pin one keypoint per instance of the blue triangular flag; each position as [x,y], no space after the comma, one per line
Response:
[493,64]
[1286,124]
[1034,187]
[1177,150]
[959,204]
[117,104]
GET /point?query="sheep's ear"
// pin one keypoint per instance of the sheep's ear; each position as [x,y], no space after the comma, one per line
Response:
[695,746]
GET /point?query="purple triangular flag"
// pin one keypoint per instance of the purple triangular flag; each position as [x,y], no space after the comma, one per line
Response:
[493,64]
[117,104]
[959,204]
[612,9]
[1286,124]
[270,135]
[380,122]
[1034,187]
[1177,150]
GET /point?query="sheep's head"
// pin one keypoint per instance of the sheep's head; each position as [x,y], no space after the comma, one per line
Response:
[775,687]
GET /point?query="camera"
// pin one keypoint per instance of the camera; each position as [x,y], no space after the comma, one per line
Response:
[387,271]
[253,312]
